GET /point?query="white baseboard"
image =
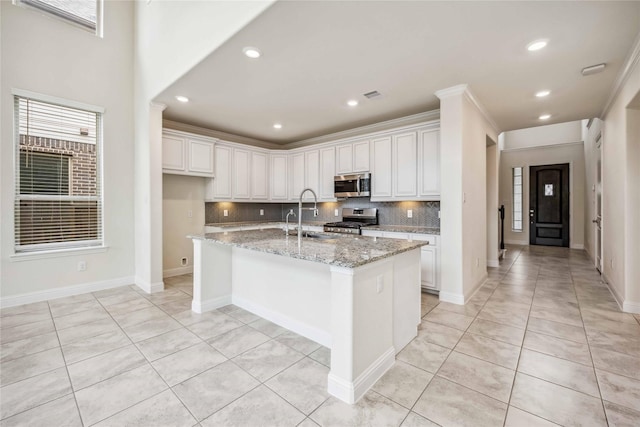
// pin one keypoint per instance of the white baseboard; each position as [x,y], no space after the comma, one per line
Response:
[67,291]
[517,242]
[210,304]
[631,307]
[452,297]
[149,287]
[577,246]
[493,263]
[179,271]
[351,392]
[476,287]
[613,291]
[318,335]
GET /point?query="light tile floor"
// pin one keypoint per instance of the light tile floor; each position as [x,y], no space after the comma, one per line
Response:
[541,343]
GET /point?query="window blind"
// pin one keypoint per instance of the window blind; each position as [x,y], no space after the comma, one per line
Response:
[58,200]
[81,12]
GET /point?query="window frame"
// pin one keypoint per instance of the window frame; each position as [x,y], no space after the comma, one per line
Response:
[46,249]
[70,18]
[515,215]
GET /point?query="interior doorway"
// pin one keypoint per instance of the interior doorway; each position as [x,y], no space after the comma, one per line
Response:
[549,205]
[598,202]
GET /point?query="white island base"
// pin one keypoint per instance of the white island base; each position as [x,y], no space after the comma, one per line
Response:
[365,315]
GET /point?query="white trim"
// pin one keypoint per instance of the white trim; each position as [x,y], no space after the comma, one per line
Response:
[58,101]
[493,263]
[179,271]
[516,242]
[67,291]
[577,246]
[149,287]
[157,106]
[31,256]
[630,63]
[451,91]
[537,147]
[351,392]
[476,287]
[318,335]
[614,292]
[210,304]
[482,110]
[631,307]
[452,297]
[225,137]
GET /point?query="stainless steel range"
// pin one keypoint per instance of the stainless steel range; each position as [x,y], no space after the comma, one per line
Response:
[353,219]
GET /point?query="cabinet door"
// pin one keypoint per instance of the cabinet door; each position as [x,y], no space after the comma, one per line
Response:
[241,174]
[173,152]
[222,180]
[428,267]
[259,176]
[405,171]
[381,167]
[200,157]
[296,175]
[344,159]
[327,172]
[430,163]
[361,156]
[312,172]
[278,175]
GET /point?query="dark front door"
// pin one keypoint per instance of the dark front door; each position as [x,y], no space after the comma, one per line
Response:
[549,205]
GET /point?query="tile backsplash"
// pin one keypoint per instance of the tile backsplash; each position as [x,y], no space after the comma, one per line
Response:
[389,213]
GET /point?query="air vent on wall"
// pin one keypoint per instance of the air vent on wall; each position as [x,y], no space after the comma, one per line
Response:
[593,69]
[372,94]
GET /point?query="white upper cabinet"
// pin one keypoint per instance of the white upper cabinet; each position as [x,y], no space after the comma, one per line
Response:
[186,155]
[241,174]
[221,185]
[405,165]
[296,175]
[259,176]
[381,173]
[278,175]
[352,157]
[429,155]
[312,171]
[327,172]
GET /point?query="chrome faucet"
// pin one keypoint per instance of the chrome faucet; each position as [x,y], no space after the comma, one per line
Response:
[286,220]
[300,209]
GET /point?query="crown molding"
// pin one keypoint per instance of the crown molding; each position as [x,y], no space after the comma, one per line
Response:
[158,106]
[368,129]
[452,91]
[463,89]
[537,147]
[170,124]
[632,60]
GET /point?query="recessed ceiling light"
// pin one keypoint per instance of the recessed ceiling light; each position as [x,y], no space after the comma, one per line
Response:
[182,98]
[352,103]
[536,45]
[545,117]
[277,126]
[543,93]
[251,52]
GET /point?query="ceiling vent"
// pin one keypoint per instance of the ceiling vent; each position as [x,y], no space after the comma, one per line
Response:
[593,69]
[372,94]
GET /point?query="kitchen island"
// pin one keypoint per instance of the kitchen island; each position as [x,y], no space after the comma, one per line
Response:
[359,296]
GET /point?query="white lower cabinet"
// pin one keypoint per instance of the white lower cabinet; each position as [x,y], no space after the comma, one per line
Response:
[429,260]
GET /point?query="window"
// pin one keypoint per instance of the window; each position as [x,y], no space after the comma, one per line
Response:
[84,13]
[517,199]
[58,201]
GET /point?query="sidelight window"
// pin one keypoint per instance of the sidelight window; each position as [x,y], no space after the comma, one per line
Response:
[517,199]
[58,191]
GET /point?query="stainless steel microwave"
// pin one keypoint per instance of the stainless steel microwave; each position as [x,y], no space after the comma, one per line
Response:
[356,185]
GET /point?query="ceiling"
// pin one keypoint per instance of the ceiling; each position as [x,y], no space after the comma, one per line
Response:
[318,55]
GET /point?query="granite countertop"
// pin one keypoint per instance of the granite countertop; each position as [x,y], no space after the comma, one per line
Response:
[405,229]
[338,250]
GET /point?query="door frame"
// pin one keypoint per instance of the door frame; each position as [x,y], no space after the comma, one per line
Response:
[569,198]
[597,143]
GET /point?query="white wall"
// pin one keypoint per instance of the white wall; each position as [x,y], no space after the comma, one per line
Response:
[464,130]
[42,54]
[180,194]
[621,237]
[560,133]
[590,160]
[557,154]
[171,37]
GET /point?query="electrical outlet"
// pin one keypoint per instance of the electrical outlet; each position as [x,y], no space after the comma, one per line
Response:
[335,212]
[225,212]
[438,214]
[184,261]
[261,212]
[409,213]
[189,213]
[315,212]
[464,197]
[82,266]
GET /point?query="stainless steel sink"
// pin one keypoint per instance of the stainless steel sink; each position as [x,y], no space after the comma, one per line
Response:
[319,236]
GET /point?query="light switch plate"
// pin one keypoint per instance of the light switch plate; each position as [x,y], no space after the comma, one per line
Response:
[225,212]
[335,212]
[261,212]
[409,213]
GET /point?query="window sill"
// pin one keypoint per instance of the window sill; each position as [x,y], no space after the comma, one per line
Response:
[516,231]
[30,256]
